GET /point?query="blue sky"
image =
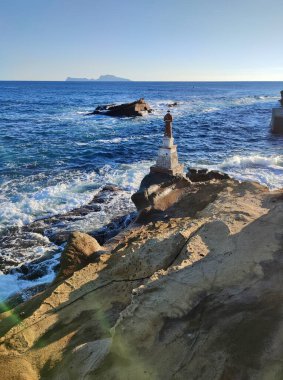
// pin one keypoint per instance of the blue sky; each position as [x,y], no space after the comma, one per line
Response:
[142,40]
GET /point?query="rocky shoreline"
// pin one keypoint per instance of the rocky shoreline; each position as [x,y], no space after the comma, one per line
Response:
[192,289]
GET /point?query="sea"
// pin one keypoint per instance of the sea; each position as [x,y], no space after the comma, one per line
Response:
[54,158]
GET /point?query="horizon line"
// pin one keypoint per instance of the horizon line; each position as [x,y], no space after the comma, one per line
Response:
[149,81]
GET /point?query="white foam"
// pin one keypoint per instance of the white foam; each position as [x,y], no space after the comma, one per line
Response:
[248,100]
[210,109]
[70,191]
[252,161]
[267,170]
[118,140]
[198,105]
[11,284]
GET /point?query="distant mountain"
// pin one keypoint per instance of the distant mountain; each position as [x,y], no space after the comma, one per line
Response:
[69,79]
[112,78]
[102,78]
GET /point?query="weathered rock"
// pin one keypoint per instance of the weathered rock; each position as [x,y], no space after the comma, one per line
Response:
[79,249]
[201,175]
[105,193]
[137,108]
[197,296]
[16,368]
[111,229]
[159,191]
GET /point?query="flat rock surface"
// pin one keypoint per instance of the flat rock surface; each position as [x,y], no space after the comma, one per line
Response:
[195,295]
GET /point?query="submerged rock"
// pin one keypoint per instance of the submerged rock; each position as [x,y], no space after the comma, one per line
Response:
[137,108]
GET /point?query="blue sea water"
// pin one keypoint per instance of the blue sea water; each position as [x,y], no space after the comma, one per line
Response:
[53,158]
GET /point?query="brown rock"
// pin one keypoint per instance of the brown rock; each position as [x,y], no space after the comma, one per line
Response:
[201,175]
[158,192]
[198,296]
[77,253]
[16,368]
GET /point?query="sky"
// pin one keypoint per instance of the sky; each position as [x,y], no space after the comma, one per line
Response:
[145,40]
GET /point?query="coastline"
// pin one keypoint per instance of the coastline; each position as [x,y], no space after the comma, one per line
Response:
[163,270]
[36,274]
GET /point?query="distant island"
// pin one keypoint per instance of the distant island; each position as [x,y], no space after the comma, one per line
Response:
[102,78]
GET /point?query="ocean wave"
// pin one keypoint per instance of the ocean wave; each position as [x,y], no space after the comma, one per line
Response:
[249,100]
[195,104]
[66,192]
[210,109]
[267,170]
[118,140]
[255,160]
[13,283]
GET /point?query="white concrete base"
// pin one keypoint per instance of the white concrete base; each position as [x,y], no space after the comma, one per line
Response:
[167,160]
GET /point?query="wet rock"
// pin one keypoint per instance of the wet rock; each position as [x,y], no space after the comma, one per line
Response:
[137,108]
[56,226]
[60,237]
[201,175]
[37,268]
[24,295]
[105,194]
[111,229]
[172,104]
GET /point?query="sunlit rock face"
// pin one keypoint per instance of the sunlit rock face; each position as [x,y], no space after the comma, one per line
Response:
[193,293]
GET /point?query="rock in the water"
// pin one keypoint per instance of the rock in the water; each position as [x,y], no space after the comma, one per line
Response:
[137,108]
[105,193]
[80,247]
[172,104]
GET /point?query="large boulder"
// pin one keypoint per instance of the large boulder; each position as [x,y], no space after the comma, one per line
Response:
[158,192]
[136,108]
[77,253]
